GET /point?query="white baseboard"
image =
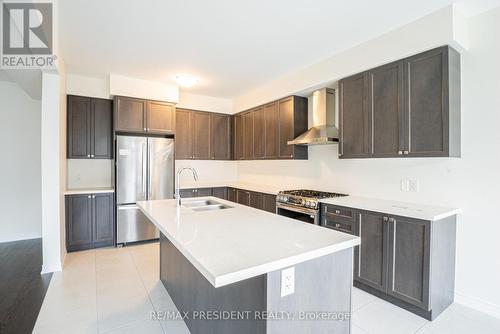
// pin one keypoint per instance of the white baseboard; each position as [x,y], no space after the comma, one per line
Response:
[51,268]
[478,304]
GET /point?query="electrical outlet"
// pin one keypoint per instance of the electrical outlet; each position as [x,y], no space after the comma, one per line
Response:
[287,281]
[405,185]
[413,186]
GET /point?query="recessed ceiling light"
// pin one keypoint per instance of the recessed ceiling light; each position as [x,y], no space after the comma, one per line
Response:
[186,81]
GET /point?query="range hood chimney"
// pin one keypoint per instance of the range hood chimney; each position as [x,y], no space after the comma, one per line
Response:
[324,130]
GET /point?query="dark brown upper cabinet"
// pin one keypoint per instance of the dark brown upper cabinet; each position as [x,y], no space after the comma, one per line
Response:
[183,135]
[160,117]
[259,132]
[220,148]
[408,108]
[238,137]
[271,130]
[89,128]
[248,135]
[202,135]
[292,122]
[143,116]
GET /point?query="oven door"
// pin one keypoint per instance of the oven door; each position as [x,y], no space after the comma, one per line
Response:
[310,216]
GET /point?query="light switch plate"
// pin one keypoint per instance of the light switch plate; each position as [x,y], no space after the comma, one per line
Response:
[405,185]
[287,281]
[413,186]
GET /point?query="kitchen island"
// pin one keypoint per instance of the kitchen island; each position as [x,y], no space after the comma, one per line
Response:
[222,266]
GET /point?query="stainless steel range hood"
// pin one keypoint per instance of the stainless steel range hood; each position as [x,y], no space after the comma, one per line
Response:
[324,129]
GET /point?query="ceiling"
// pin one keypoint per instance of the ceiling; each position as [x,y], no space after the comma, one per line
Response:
[232,46]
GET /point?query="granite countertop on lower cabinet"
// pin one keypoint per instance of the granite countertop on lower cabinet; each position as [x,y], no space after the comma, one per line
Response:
[96,190]
[404,209]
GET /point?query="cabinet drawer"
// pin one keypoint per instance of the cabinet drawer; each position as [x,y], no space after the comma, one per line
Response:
[339,212]
[338,224]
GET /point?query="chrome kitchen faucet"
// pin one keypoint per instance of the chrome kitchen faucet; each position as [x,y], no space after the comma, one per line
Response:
[177,182]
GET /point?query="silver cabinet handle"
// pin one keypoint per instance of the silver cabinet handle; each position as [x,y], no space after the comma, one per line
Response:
[406,152]
[93,196]
[400,152]
[91,155]
[337,212]
[88,155]
[145,129]
[386,219]
[89,196]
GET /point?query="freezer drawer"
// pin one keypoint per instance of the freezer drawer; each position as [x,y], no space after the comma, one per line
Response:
[132,225]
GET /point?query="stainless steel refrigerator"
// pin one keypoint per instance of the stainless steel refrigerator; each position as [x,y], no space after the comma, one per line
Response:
[144,171]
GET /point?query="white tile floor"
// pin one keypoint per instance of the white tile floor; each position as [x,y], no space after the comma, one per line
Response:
[114,290]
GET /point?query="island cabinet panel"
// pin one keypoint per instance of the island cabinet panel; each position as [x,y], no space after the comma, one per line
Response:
[256,200]
[408,108]
[220,141]
[195,192]
[89,128]
[89,221]
[201,135]
[220,192]
[271,130]
[183,135]
[406,261]
[248,136]
[370,265]
[144,116]
[292,120]
[409,256]
[269,203]
[238,137]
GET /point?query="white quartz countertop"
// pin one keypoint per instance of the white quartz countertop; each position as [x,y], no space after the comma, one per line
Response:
[98,190]
[262,188]
[241,242]
[404,209]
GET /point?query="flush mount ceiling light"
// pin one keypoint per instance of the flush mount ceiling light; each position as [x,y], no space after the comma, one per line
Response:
[186,81]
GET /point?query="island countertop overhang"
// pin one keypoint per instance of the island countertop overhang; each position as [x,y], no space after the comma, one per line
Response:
[230,245]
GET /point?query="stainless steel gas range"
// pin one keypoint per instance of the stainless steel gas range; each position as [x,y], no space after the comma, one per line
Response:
[302,204]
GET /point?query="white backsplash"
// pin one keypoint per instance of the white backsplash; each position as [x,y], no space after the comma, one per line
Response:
[90,173]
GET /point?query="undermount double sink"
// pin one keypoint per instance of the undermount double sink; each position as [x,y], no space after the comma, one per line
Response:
[204,205]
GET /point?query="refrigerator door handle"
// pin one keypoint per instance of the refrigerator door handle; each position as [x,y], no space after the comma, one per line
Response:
[149,176]
[144,170]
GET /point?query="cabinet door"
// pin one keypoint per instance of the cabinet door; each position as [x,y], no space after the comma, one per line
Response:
[385,98]
[187,193]
[129,114]
[78,131]
[238,137]
[426,103]
[271,130]
[220,137]
[370,258]
[202,192]
[409,260]
[286,131]
[160,117]
[259,133]
[220,192]
[248,137]
[183,135]
[201,135]
[101,138]
[355,131]
[243,197]
[78,222]
[232,195]
[103,219]
[269,202]
[256,200]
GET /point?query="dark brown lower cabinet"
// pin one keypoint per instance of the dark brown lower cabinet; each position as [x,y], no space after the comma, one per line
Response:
[406,261]
[195,192]
[232,194]
[220,192]
[256,200]
[269,203]
[89,221]
[243,197]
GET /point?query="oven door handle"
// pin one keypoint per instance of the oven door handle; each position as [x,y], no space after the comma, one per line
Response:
[311,212]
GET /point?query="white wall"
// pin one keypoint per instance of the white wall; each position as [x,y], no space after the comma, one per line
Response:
[209,170]
[52,168]
[20,179]
[126,86]
[470,183]
[88,173]
[87,86]
[205,103]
